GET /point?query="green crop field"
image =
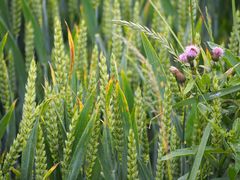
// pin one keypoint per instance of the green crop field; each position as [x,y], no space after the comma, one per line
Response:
[120,89]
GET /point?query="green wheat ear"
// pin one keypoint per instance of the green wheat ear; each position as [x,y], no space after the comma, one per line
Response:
[117,45]
[103,80]
[51,124]
[117,126]
[11,72]
[4,84]
[27,122]
[67,152]
[16,11]
[216,115]
[132,169]
[234,42]
[37,9]
[93,145]
[59,56]
[72,9]
[93,70]
[81,53]
[107,20]
[29,44]
[40,156]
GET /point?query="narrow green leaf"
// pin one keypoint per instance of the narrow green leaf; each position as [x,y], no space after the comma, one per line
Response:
[190,122]
[28,154]
[6,119]
[2,44]
[201,149]
[207,96]
[90,19]
[153,58]
[83,118]
[18,59]
[80,150]
[38,34]
[127,90]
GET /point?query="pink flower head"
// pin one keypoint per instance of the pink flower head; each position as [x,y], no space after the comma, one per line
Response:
[217,52]
[183,57]
[192,52]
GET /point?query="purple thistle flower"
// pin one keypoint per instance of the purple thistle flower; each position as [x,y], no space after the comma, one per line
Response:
[183,57]
[217,53]
[192,52]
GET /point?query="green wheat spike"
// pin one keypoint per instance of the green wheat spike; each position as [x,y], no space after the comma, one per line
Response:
[174,145]
[216,115]
[93,146]
[137,19]
[160,168]
[37,10]
[107,20]
[29,44]
[67,152]
[117,46]
[139,113]
[1,174]
[132,169]
[40,156]
[182,18]
[234,41]
[117,126]
[93,70]
[103,80]
[72,8]
[125,8]
[69,101]
[51,124]
[16,11]
[4,84]
[96,3]
[59,57]
[11,72]
[81,53]
[27,120]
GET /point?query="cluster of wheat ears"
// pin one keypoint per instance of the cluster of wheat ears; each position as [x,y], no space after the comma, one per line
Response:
[117,89]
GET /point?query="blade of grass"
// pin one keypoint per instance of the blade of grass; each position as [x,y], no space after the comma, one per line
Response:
[207,96]
[38,35]
[90,19]
[80,150]
[6,119]
[21,74]
[200,152]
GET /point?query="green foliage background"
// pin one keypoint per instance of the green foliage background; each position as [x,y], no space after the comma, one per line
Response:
[94,89]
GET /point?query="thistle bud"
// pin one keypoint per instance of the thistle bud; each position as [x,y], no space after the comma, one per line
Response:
[178,75]
[217,53]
